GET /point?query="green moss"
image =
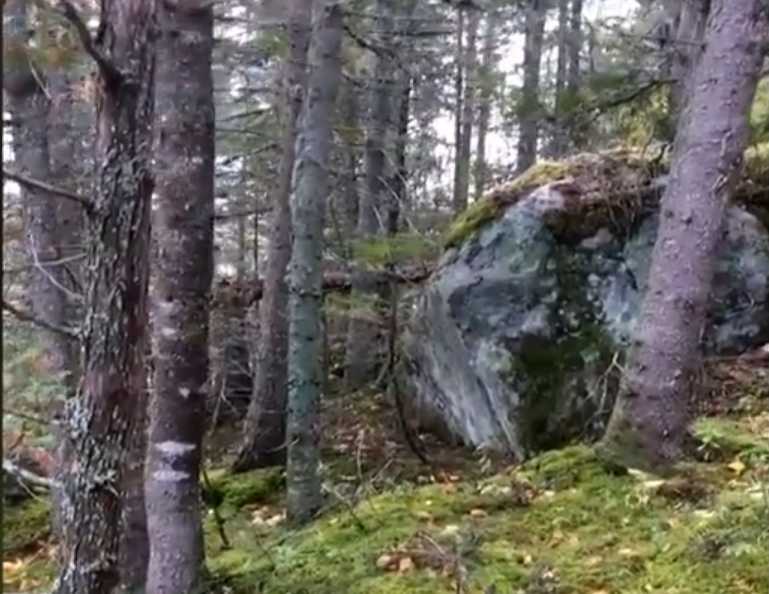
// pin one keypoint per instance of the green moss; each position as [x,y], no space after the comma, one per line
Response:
[237,490]
[727,438]
[25,524]
[493,204]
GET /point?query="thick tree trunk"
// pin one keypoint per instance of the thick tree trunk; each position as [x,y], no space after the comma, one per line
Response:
[649,422]
[101,423]
[470,59]
[264,432]
[362,354]
[311,189]
[487,74]
[183,230]
[528,107]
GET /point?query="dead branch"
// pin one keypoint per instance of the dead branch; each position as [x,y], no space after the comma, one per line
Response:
[53,190]
[26,316]
[109,71]
[27,476]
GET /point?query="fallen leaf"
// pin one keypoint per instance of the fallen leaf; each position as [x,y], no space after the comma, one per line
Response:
[737,466]
[405,564]
[478,513]
[594,560]
[384,561]
[423,515]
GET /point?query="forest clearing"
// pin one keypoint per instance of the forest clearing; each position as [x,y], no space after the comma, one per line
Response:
[378,296]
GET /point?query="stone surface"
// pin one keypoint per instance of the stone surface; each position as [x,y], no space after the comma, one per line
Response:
[516,342]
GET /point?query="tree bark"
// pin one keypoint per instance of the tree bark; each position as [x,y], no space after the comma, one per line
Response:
[311,189]
[183,230]
[487,85]
[687,50]
[528,107]
[102,420]
[470,59]
[263,442]
[649,422]
[374,204]
[574,75]
[559,141]
[459,77]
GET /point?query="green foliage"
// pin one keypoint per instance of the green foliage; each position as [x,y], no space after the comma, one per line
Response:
[759,114]
[25,524]
[400,248]
[237,490]
[729,438]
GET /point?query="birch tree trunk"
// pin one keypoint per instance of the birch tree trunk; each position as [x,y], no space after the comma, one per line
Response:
[102,419]
[183,231]
[362,354]
[649,422]
[263,442]
[308,203]
[528,107]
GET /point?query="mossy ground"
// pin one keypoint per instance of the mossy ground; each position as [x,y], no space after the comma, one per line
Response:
[561,523]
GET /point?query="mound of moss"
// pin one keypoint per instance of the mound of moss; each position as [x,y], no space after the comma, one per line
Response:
[25,524]
[562,523]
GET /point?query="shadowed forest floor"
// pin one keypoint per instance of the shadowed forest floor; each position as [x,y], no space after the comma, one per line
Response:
[559,524]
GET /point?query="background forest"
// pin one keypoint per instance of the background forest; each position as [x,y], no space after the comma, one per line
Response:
[385,296]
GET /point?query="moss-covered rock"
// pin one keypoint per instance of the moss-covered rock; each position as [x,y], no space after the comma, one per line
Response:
[517,341]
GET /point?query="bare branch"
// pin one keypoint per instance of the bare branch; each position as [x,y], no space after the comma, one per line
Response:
[27,476]
[109,71]
[53,190]
[25,316]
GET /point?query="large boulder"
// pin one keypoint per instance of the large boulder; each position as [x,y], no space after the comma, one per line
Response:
[516,342]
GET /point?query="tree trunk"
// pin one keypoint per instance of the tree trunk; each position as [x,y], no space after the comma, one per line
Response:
[183,230]
[687,49]
[311,189]
[462,188]
[51,290]
[648,425]
[459,77]
[263,442]
[101,423]
[401,173]
[574,75]
[487,73]
[528,107]
[362,356]
[559,142]
[348,197]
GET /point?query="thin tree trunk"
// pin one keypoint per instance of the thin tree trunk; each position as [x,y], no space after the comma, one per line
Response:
[311,189]
[362,356]
[649,422]
[488,67]
[468,113]
[574,76]
[347,199]
[400,176]
[459,86]
[687,50]
[559,143]
[241,267]
[528,108]
[263,442]
[101,423]
[183,230]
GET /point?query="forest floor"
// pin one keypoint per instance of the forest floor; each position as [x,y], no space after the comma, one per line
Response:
[558,524]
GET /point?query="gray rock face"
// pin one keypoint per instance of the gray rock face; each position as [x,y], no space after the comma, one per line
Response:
[515,344]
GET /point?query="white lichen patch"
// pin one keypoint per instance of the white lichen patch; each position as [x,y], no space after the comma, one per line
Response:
[184,392]
[171,476]
[175,448]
